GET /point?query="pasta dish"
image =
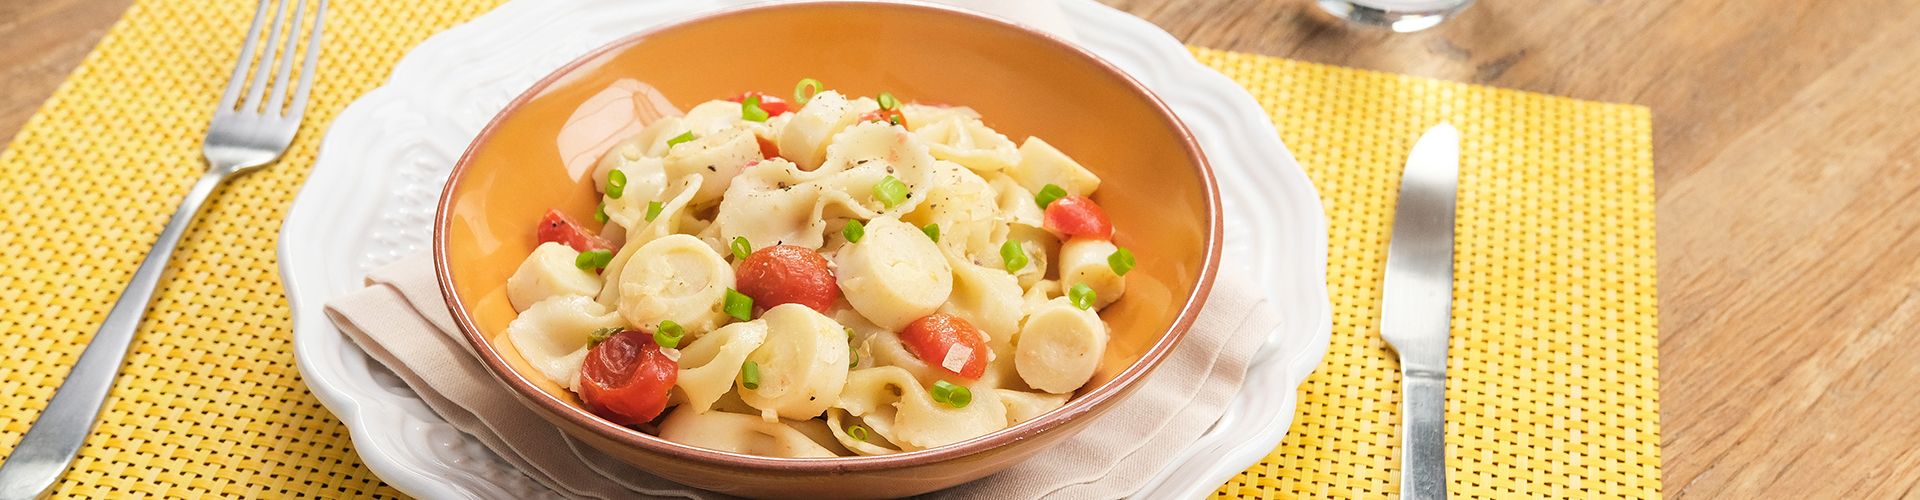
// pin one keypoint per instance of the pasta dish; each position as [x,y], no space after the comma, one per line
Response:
[827,275]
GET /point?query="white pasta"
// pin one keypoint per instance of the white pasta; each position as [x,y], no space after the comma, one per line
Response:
[805,137]
[986,297]
[895,274]
[738,433]
[963,206]
[912,219]
[717,157]
[552,335]
[1059,347]
[921,115]
[802,365]
[709,365]
[917,422]
[1041,164]
[1083,261]
[1023,406]
[677,278]
[969,142]
[549,272]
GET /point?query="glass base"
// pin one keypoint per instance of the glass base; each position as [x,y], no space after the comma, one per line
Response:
[1404,16]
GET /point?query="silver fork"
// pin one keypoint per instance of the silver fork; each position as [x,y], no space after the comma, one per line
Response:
[249,130]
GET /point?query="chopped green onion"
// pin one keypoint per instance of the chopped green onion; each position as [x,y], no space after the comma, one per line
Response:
[853,231]
[741,248]
[1014,256]
[683,137]
[600,212]
[592,260]
[949,394]
[849,330]
[857,432]
[1081,296]
[750,109]
[933,232]
[853,359]
[750,375]
[887,101]
[805,90]
[595,337]
[739,305]
[653,210]
[1121,261]
[668,335]
[891,191]
[616,183]
[1048,194]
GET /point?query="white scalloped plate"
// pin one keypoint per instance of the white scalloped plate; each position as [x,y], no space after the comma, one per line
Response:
[370,200]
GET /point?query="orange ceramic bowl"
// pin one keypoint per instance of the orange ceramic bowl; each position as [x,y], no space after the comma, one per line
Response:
[538,153]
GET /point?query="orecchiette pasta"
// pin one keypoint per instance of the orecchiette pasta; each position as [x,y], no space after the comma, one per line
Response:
[552,335]
[709,365]
[829,276]
[969,142]
[738,433]
[917,421]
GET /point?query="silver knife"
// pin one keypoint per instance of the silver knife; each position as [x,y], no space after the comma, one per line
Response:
[1418,306]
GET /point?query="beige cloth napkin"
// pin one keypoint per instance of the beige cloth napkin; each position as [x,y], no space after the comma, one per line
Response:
[401,321]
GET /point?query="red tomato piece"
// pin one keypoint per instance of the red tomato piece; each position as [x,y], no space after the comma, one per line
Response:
[557,227]
[1078,216]
[936,335]
[767,148]
[774,106]
[893,116]
[787,274]
[625,379]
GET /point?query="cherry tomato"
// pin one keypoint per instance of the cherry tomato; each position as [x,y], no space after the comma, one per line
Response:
[774,106]
[625,379]
[933,336]
[787,274]
[558,227]
[1078,216]
[767,148]
[893,116]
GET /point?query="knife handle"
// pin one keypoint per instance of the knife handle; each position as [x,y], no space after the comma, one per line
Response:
[1423,456]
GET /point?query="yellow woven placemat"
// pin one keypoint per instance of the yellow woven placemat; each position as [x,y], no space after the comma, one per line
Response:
[1553,389]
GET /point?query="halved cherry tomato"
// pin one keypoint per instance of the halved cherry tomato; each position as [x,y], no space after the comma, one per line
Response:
[893,116]
[1078,216]
[934,336]
[558,227]
[625,379]
[787,274]
[774,106]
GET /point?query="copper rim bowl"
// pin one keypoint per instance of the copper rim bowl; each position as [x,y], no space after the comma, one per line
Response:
[538,153]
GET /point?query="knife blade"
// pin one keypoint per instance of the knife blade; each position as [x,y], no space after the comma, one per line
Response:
[1417,306]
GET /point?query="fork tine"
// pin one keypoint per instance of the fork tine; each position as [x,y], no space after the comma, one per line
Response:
[299,106]
[232,94]
[282,81]
[266,60]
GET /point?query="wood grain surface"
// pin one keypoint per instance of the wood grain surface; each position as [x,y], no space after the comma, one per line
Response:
[1788,179]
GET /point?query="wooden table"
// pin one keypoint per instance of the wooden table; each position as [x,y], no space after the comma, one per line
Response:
[1788,177]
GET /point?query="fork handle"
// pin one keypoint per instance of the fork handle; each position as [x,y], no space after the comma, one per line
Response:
[55,438]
